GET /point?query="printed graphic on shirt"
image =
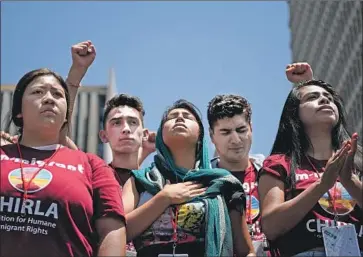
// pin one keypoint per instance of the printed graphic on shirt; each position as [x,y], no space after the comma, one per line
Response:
[249,187]
[190,220]
[161,229]
[343,202]
[254,205]
[321,215]
[39,182]
[28,215]
[254,228]
[40,164]
[317,225]
[59,206]
[343,205]
[190,216]
[12,209]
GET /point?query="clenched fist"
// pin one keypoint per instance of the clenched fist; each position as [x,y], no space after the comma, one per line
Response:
[148,146]
[83,54]
[298,72]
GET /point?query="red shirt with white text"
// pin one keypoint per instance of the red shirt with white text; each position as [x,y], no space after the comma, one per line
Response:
[66,197]
[307,234]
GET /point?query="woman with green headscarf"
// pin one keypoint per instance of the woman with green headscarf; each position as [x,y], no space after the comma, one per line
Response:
[180,206]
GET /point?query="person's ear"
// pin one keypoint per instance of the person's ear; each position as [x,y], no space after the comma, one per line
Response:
[103,136]
[211,135]
[145,135]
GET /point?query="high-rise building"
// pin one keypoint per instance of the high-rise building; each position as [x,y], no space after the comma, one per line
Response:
[328,35]
[86,118]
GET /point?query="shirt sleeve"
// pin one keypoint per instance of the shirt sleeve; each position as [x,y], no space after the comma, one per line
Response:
[107,196]
[237,202]
[275,165]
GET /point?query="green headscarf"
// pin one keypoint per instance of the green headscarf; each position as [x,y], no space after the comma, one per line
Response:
[223,189]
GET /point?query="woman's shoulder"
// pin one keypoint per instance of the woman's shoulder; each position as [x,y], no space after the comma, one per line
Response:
[88,158]
[79,152]
[276,159]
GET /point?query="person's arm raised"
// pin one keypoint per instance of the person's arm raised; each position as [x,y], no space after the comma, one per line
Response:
[83,55]
[147,148]
[299,72]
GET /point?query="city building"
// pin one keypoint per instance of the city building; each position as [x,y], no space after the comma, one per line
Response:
[86,118]
[328,35]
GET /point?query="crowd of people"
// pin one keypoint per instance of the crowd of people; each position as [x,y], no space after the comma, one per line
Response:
[304,199]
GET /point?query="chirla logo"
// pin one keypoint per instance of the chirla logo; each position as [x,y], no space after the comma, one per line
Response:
[343,202]
[41,180]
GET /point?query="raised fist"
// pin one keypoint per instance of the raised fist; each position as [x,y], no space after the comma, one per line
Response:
[298,72]
[83,54]
[149,145]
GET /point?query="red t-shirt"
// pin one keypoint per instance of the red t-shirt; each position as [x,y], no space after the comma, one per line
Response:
[64,200]
[248,178]
[307,234]
[253,217]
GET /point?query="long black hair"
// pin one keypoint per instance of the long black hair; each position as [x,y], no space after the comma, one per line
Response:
[292,140]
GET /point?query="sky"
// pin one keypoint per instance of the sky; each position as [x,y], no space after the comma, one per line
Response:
[161,51]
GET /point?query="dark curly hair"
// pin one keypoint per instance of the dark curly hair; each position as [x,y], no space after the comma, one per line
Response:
[124,100]
[227,106]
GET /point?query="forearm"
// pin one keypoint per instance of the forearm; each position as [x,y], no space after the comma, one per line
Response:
[142,156]
[73,91]
[354,187]
[113,244]
[74,78]
[281,219]
[142,217]
[242,243]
